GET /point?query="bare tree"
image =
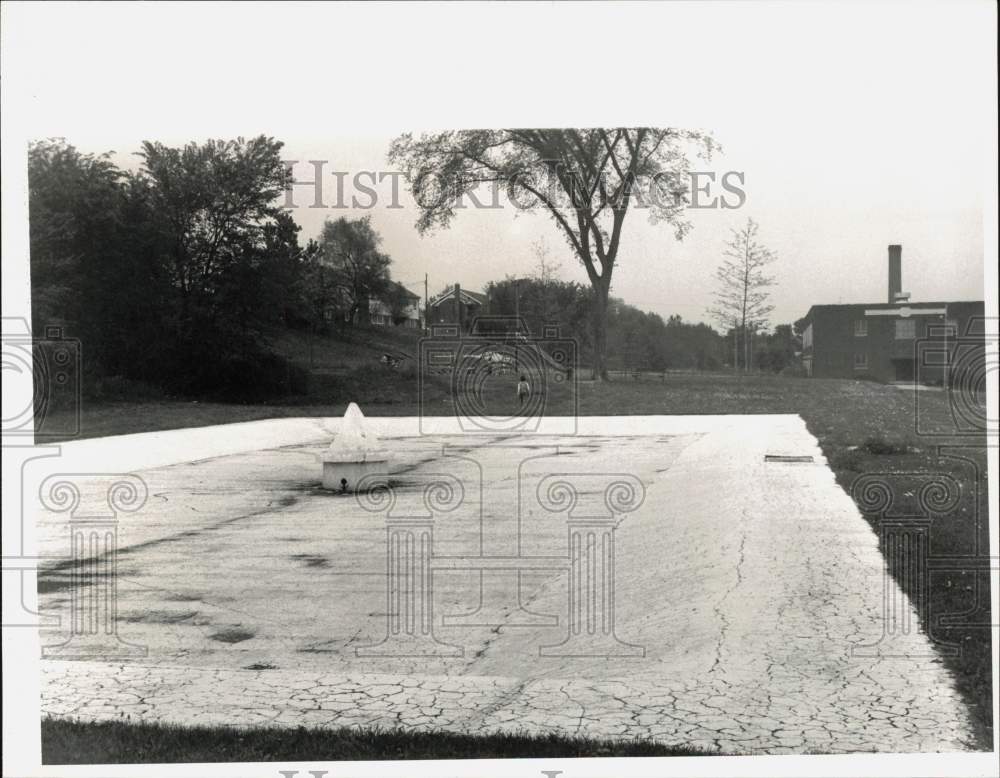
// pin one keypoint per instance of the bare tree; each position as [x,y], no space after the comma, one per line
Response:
[585,179]
[545,270]
[545,273]
[742,300]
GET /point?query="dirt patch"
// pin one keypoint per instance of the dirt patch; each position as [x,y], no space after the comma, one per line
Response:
[232,635]
[311,560]
[61,578]
[326,647]
[55,584]
[159,617]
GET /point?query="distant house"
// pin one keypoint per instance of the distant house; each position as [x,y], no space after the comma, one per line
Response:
[893,341]
[456,306]
[407,313]
[398,307]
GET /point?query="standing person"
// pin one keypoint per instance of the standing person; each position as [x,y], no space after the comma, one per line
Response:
[523,391]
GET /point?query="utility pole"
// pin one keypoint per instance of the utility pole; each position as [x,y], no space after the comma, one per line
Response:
[945,378]
[426,302]
[517,320]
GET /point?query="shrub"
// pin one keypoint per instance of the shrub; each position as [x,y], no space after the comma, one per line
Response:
[793,371]
[849,459]
[879,447]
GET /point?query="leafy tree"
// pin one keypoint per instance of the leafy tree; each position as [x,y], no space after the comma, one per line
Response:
[359,271]
[539,301]
[172,274]
[316,291]
[290,263]
[693,346]
[778,349]
[742,300]
[585,179]
[93,241]
[217,199]
[636,340]
[257,288]
[398,300]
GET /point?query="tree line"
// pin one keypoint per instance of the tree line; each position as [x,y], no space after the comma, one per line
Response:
[636,340]
[176,274]
[588,180]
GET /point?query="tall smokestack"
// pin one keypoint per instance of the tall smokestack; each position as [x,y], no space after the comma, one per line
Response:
[895,272]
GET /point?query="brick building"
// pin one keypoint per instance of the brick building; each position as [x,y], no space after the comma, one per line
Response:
[893,341]
[456,306]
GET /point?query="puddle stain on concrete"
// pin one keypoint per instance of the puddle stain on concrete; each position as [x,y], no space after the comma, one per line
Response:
[160,617]
[232,635]
[312,560]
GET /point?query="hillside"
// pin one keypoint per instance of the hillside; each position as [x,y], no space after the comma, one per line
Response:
[347,349]
[347,365]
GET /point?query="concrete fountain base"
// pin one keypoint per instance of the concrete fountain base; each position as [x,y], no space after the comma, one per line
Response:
[345,476]
[355,459]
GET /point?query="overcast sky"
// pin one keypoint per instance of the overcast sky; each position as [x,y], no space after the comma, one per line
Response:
[856,126]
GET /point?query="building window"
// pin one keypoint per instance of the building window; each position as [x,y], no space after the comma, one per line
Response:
[906,329]
[860,328]
[860,361]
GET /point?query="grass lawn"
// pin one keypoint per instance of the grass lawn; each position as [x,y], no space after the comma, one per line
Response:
[68,742]
[862,427]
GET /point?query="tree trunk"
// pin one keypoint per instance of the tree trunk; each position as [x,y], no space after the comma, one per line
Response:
[600,332]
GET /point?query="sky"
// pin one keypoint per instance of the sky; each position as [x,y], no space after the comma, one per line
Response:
[855,126]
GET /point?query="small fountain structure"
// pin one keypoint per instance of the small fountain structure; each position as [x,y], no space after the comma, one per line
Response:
[355,453]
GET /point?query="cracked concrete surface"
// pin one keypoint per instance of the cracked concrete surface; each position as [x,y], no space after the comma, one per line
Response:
[715,716]
[755,590]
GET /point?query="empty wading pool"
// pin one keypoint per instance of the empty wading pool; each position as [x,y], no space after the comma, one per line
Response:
[641,578]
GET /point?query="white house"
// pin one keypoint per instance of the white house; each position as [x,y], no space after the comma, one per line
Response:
[381,315]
